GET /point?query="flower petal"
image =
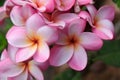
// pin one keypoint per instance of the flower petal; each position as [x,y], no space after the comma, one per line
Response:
[60,55]
[4,54]
[92,10]
[90,41]
[105,29]
[103,13]
[64,5]
[22,76]
[76,27]
[3,13]
[9,69]
[12,52]
[42,53]
[48,34]
[26,53]
[17,37]
[62,37]
[66,17]
[34,23]
[35,72]
[19,15]
[84,2]
[79,60]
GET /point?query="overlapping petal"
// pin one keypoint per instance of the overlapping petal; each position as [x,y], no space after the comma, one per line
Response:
[42,53]
[17,37]
[79,59]
[105,29]
[64,5]
[90,41]
[26,53]
[60,55]
[103,13]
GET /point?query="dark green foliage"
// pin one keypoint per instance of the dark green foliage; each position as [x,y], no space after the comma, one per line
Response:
[117,2]
[110,53]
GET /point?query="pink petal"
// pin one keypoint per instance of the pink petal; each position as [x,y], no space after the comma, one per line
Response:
[19,2]
[19,15]
[26,53]
[50,5]
[105,29]
[9,69]
[76,27]
[62,38]
[4,54]
[45,30]
[12,52]
[84,2]
[34,23]
[79,60]
[64,5]
[3,13]
[17,37]
[35,72]
[90,41]
[22,76]
[85,15]
[42,53]
[67,17]
[92,10]
[60,55]
[106,12]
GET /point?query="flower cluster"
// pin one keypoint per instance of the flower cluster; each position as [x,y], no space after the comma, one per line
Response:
[51,32]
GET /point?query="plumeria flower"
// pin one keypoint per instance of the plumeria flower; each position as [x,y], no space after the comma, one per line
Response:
[40,5]
[32,40]
[5,9]
[20,71]
[20,14]
[101,21]
[64,5]
[59,19]
[72,45]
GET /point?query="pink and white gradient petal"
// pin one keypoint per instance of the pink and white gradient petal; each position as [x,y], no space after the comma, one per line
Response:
[34,23]
[18,41]
[42,54]
[60,55]
[90,41]
[9,69]
[105,29]
[79,59]
[48,34]
[35,72]
[106,12]
[22,76]
[26,53]
[76,27]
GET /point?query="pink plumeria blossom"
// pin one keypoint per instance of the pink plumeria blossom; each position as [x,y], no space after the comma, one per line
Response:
[20,71]
[71,45]
[20,14]
[5,9]
[101,21]
[40,5]
[32,40]
[64,5]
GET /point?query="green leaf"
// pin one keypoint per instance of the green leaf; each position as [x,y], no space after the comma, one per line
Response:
[1,2]
[3,42]
[117,2]
[110,53]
